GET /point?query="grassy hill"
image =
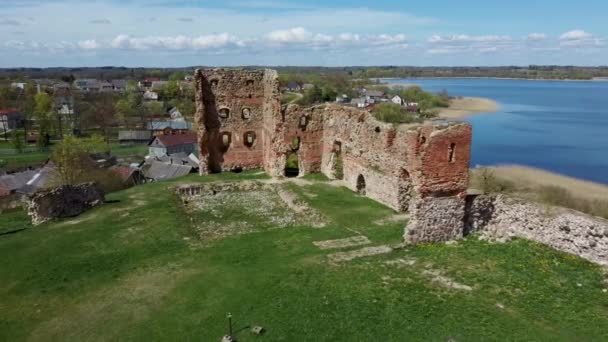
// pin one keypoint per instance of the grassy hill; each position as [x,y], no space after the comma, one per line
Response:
[138,269]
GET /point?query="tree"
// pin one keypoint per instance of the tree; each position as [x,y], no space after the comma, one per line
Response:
[43,112]
[17,141]
[69,158]
[392,113]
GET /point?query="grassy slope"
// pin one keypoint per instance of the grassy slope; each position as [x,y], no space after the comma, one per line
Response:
[133,270]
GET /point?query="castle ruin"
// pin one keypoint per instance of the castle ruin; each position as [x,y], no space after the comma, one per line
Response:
[423,169]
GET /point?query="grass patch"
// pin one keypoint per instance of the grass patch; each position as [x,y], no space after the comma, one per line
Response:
[135,270]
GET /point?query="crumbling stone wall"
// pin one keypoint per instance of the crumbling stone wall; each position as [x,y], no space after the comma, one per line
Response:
[421,168]
[499,217]
[65,201]
[439,166]
[231,110]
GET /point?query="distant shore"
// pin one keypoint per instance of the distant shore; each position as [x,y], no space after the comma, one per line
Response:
[533,177]
[595,79]
[466,106]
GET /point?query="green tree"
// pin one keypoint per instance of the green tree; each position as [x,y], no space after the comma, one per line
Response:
[69,159]
[17,141]
[392,113]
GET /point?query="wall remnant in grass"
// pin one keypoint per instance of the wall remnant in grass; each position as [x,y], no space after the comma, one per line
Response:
[500,217]
[65,201]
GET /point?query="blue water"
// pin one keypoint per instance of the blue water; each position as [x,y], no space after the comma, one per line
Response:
[557,126]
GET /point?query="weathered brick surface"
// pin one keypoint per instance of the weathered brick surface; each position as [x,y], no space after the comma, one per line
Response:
[397,166]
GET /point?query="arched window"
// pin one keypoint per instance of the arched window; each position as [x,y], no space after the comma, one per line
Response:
[249,139]
[452,153]
[224,112]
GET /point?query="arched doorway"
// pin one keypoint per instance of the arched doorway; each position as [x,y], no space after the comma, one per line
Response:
[361,185]
[292,165]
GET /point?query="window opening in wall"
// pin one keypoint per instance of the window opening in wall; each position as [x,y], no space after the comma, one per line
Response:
[337,164]
[292,165]
[214,82]
[423,140]
[295,143]
[249,83]
[361,185]
[405,175]
[249,139]
[246,114]
[377,129]
[452,153]
[226,139]
[224,113]
[303,122]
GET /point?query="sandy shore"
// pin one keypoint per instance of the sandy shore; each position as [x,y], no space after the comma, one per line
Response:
[466,106]
[532,177]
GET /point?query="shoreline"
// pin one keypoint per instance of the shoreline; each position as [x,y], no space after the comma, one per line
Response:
[462,107]
[595,79]
[529,176]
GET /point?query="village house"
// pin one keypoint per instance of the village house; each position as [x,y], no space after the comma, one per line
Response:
[168,127]
[146,83]
[175,114]
[119,85]
[373,96]
[134,137]
[18,85]
[307,86]
[292,86]
[342,98]
[397,100]
[88,85]
[358,102]
[150,96]
[166,145]
[106,86]
[11,118]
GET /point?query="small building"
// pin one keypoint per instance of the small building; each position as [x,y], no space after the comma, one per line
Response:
[134,137]
[11,118]
[106,86]
[129,176]
[168,127]
[397,100]
[150,96]
[159,171]
[18,85]
[119,85]
[373,96]
[175,114]
[146,83]
[87,85]
[342,98]
[358,102]
[293,86]
[166,145]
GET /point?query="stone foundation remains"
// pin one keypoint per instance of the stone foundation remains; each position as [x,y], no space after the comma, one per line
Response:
[498,217]
[65,201]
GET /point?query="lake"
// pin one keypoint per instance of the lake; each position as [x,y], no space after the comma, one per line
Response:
[552,125]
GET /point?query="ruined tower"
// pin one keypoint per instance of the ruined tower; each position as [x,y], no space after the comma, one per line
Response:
[422,169]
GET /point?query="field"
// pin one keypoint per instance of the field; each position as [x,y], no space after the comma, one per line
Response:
[145,267]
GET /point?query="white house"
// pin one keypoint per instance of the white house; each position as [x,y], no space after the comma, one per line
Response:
[397,100]
[176,115]
[150,96]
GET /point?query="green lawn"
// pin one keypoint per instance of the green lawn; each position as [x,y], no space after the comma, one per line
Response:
[134,269]
[38,158]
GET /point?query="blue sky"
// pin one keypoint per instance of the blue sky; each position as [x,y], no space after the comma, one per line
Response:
[37,33]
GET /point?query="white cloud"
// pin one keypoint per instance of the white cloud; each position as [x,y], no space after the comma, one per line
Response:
[90,44]
[537,36]
[463,38]
[576,35]
[180,42]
